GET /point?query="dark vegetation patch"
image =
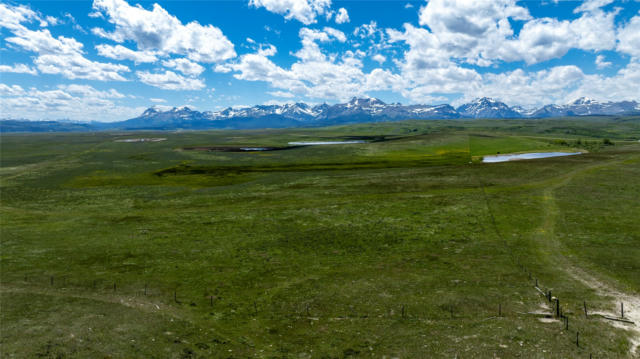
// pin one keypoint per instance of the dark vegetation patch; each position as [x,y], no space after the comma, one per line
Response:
[372,138]
[590,145]
[238,148]
[188,169]
[259,148]
[141,157]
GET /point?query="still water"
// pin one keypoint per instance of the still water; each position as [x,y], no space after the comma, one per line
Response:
[526,156]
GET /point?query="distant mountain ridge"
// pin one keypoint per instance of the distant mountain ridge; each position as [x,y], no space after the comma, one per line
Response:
[487,108]
[357,110]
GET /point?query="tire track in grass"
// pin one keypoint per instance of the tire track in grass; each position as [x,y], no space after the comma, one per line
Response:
[600,284]
[605,287]
[131,301]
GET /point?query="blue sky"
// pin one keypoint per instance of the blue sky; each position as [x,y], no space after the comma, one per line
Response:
[108,60]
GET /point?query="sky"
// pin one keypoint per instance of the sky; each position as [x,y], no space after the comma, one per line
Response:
[109,60]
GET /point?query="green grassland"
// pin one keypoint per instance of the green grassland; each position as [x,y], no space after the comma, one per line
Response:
[407,246]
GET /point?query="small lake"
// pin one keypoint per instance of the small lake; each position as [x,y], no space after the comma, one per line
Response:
[255,149]
[526,156]
[320,143]
[141,140]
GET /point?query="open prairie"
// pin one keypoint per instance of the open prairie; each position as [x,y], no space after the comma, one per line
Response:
[203,244]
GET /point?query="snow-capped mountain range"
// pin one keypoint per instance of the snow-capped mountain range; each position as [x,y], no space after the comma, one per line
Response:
[287,115]
[585,106]
[364,110]
[355,111]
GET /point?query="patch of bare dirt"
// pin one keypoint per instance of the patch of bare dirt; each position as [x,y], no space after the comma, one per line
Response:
[631,304]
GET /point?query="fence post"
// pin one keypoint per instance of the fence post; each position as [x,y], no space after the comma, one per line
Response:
[585,310]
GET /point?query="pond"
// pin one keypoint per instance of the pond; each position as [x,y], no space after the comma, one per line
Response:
[256,149]
[318,143]
[526,156]
[141,140]
[233,149]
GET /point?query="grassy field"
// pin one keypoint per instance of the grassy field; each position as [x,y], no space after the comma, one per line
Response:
[407,246]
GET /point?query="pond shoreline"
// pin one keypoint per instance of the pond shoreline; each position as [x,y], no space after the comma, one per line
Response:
[526,156]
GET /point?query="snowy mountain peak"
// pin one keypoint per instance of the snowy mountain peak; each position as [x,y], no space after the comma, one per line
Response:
[485,100]
[365,102]
[584,101]
[486,107]
[150,111]
[181,109]
[524,111]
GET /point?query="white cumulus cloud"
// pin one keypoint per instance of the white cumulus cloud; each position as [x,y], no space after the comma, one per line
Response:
[169,80]
[55,55]
[119,52]
[304,11]
[379,58]
[185,66]
[342,16]
[18,69]
[316,73]
[157,30]
[75,66]
[75,102]
[471,29]
[629,37]
[601,63]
